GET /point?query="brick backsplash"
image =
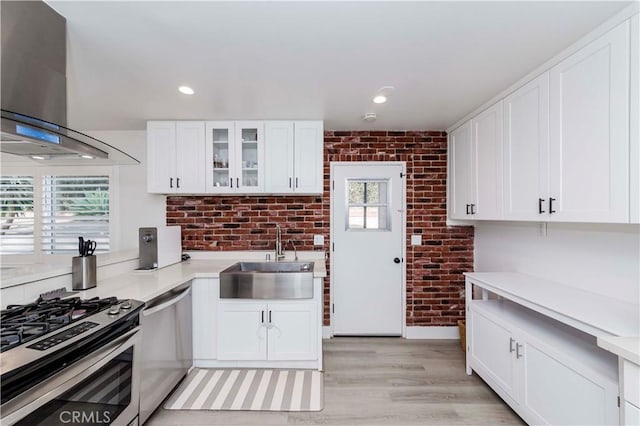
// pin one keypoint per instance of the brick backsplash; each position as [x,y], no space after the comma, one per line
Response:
[435,284]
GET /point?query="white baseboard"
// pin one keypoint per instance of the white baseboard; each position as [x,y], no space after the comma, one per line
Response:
[435,332]
[327,333]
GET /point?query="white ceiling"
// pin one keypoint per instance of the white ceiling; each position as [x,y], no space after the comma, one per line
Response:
[294,60]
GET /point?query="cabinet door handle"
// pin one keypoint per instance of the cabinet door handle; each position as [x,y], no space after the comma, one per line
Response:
[511,341]
[269,317]
[540,203]
[177,182]
[551,210]
[289,182]
[262,314]
[237,182]
[518,354]
[296,182]
[472,206]
[170,182]
[467,208]
[231,182]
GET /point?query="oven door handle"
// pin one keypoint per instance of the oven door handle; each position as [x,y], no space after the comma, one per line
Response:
[153,309]
[50,389]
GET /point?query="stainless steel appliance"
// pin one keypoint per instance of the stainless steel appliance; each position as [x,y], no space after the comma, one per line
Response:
[159,246]
[34,90]
[166,354]
[68,361]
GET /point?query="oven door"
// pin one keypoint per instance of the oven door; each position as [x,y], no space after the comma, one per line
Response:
[100,389]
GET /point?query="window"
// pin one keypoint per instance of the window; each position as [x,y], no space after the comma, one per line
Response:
[16,218]
[47,214]
[367,205]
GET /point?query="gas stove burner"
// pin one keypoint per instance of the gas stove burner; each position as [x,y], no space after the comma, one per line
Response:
[22,323]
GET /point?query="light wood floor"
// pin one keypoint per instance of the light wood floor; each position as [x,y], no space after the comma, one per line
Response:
[380,381]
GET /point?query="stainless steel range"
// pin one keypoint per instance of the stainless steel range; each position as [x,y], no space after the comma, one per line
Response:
[70,361]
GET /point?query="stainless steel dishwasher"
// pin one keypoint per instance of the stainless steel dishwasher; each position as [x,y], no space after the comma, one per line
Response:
[166,348]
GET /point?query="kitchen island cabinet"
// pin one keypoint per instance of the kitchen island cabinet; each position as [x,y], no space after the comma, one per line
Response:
[534,343]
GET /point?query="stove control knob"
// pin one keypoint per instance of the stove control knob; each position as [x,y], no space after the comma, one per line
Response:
[114,310]
[126,305]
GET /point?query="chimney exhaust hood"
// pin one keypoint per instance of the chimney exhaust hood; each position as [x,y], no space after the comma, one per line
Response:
[34,90]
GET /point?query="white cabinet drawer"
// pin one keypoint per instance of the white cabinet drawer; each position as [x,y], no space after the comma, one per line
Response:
[631,382]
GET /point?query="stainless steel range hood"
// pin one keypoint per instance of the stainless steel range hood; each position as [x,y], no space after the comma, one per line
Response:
[34,90]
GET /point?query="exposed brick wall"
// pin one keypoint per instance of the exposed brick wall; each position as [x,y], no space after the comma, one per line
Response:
[435,284]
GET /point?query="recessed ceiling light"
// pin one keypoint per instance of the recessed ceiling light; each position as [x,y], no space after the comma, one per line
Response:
[37,157]
[88,157]
[380,99]
[186,90]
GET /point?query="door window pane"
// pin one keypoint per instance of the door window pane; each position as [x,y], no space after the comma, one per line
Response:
[367,206]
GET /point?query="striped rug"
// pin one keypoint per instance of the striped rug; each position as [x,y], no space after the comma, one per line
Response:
[246,389]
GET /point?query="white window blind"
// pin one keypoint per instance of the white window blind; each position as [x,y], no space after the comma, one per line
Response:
[17,215]
[74,206]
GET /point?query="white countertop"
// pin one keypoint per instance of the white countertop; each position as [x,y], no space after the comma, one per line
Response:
[625,347]
[146,285]
[592,313]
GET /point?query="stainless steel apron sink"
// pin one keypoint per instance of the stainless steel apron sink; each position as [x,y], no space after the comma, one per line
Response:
[267,280]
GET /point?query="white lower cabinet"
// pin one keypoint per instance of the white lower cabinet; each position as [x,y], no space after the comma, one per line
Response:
[547,373]
[278,331]
[205,308]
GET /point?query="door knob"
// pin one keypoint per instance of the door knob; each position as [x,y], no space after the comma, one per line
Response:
[396,260]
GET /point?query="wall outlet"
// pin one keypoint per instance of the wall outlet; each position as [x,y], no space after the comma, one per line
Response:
[318,240]
[416,240]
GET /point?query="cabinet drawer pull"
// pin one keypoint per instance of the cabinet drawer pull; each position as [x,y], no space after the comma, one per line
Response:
[540,203]
[511,344]
[518,354]
[551,210]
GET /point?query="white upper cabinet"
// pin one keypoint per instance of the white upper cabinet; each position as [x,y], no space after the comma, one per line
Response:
[294,157]
[635,121]
[279,156]
[175,152]
[487,164]
[526,151]
[460,172]
[589,132]
[234,157]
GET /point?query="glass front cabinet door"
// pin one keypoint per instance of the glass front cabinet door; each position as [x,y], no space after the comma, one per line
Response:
[235,156]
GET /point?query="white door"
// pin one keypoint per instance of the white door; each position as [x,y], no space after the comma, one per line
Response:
[190,157]
[161,158]
[487,164]
[460,172]
[526,151]
[367,248]
[293,331]
[248,167]
[589,132]
[219,141]
[242,331]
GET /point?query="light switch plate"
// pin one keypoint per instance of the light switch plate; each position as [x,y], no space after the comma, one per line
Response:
[416,240]
[318,240]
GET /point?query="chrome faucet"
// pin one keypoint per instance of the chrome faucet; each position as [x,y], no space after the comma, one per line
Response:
[295,252]
[279,248]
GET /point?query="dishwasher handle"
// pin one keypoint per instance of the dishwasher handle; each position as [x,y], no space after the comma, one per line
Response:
[157,308]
